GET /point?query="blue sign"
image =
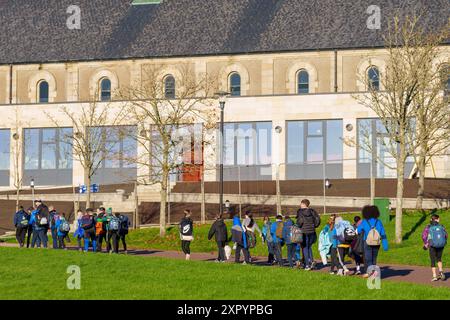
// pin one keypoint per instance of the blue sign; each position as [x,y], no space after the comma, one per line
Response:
[95,188]
[83,189]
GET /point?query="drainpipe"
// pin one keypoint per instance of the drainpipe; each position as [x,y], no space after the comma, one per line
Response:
[10,83]
[335,71]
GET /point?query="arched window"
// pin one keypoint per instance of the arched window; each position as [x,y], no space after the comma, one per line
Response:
[43,90]
[169,87]
[373,78]
[302,82]
[235,84]
[105,89]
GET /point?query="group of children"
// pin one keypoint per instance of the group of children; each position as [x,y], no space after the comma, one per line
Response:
[94,228]
[360,240]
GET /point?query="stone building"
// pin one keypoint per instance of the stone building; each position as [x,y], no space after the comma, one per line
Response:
[291,65]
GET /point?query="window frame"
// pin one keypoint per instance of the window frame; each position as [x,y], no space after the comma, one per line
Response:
[170,93]
[39,91]
[300,83]
[232,87]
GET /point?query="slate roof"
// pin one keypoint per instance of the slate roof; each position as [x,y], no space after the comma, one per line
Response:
[35,30]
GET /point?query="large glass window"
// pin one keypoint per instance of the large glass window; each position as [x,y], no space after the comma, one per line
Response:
[248,143]
[4,148]
[235,84]
[311,145]
[47,149]
[374,151]
[302,82]
[248,150]
[43,92]
[5,138]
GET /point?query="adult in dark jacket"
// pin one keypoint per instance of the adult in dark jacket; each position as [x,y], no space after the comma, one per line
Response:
[308,220]
[43,212]
[220,232]
[21,222]
[30,227]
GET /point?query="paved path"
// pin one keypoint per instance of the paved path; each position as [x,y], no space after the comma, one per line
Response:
[392,272]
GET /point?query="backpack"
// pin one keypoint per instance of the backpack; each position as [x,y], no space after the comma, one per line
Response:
[23,223]
[251,239]
[268,235]
[87,222]
[64,226]
[114,224]
[296,234]
[124,224]
[373,237]
[43,221]
[279,230]
[437,236]
[349,234]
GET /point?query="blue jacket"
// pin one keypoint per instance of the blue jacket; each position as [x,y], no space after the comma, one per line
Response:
[273,232]
[18,217]
[365,227]
[337,233]
[237,232]
[79,232]
[33,221]
[58,224]
[287,231]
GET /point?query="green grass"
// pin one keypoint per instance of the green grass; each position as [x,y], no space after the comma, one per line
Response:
[41,274]
[409,252]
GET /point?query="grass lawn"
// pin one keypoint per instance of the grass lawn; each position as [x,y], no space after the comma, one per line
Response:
[41,274]
[409,252]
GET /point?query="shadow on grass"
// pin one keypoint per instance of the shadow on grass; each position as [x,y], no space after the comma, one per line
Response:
[417,225]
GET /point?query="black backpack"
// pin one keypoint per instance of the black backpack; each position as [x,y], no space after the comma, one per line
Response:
[124,223]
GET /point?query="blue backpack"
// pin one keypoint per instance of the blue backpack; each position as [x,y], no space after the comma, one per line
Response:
[437,236]
[114,224]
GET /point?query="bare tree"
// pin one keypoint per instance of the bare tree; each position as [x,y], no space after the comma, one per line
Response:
[17,150]
[431,104]
[394,101]
[92,123]
[169,112]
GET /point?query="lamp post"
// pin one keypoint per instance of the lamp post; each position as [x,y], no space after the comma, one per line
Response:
[278,130]
[326,185]
[222,99]
[32,190]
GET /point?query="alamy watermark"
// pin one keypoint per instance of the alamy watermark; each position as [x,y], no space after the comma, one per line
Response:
[374,280]
[74,280]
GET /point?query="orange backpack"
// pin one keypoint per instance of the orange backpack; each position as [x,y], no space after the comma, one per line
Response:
[99,227]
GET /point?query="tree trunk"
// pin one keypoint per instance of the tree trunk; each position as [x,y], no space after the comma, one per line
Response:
[17,198]
[203,205]
[399,198]
[162,210]
[421,190]
[87,181]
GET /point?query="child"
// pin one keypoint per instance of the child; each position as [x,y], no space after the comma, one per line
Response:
[267,237]
[374,236]
[435,238]
[325,243]
[239,237]
[186,233]
[357,248]
[341,242]
[62,227]
[79,232]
